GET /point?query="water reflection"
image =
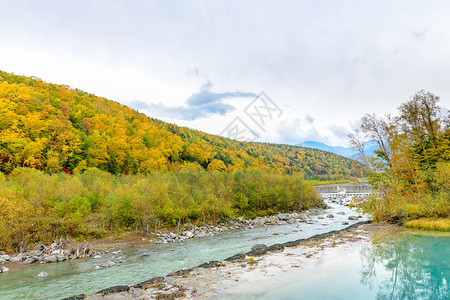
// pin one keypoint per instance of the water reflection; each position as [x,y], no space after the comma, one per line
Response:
[408,266]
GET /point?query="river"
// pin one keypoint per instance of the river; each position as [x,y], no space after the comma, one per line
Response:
[80,276]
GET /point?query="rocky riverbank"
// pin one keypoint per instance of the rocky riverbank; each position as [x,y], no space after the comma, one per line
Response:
[260,263]
[63,249]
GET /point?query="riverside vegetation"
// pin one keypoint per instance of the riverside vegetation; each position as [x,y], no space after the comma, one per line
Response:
[75,164]
[411,168]
[39,207]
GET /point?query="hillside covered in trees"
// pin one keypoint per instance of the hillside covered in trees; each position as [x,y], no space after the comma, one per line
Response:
[72,163]
[56,128]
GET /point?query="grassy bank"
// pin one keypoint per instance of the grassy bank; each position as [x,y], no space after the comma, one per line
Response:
[37,207]
[429,224]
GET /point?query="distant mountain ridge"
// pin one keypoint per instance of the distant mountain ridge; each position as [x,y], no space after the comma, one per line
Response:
[348,152]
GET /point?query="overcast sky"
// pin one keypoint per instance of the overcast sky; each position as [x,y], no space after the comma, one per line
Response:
[323,64]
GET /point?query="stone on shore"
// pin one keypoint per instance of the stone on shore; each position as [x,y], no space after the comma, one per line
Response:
[4,257]
[4,269]
[50,259]
[258,249]
[29,260]
[17,258]
[283,217]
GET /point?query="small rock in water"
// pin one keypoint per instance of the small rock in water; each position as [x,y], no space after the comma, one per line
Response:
[98,256]
[320,217]
[330,216]
[341,213]
[344,223]
[275,233]
[145,254]
[353,218]
[108,264]
[97,268]
[42,274]
[4,270]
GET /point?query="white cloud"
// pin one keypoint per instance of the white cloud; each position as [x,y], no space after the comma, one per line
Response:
[333,61]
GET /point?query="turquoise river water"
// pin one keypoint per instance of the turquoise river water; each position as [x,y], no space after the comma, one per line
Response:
[406,266]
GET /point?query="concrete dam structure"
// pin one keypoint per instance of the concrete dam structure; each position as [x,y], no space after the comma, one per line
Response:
[344,188]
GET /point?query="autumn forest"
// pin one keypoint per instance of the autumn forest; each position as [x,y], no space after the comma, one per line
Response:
[80,165]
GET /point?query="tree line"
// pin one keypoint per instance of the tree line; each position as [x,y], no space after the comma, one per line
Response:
[37,207]
[411,167]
